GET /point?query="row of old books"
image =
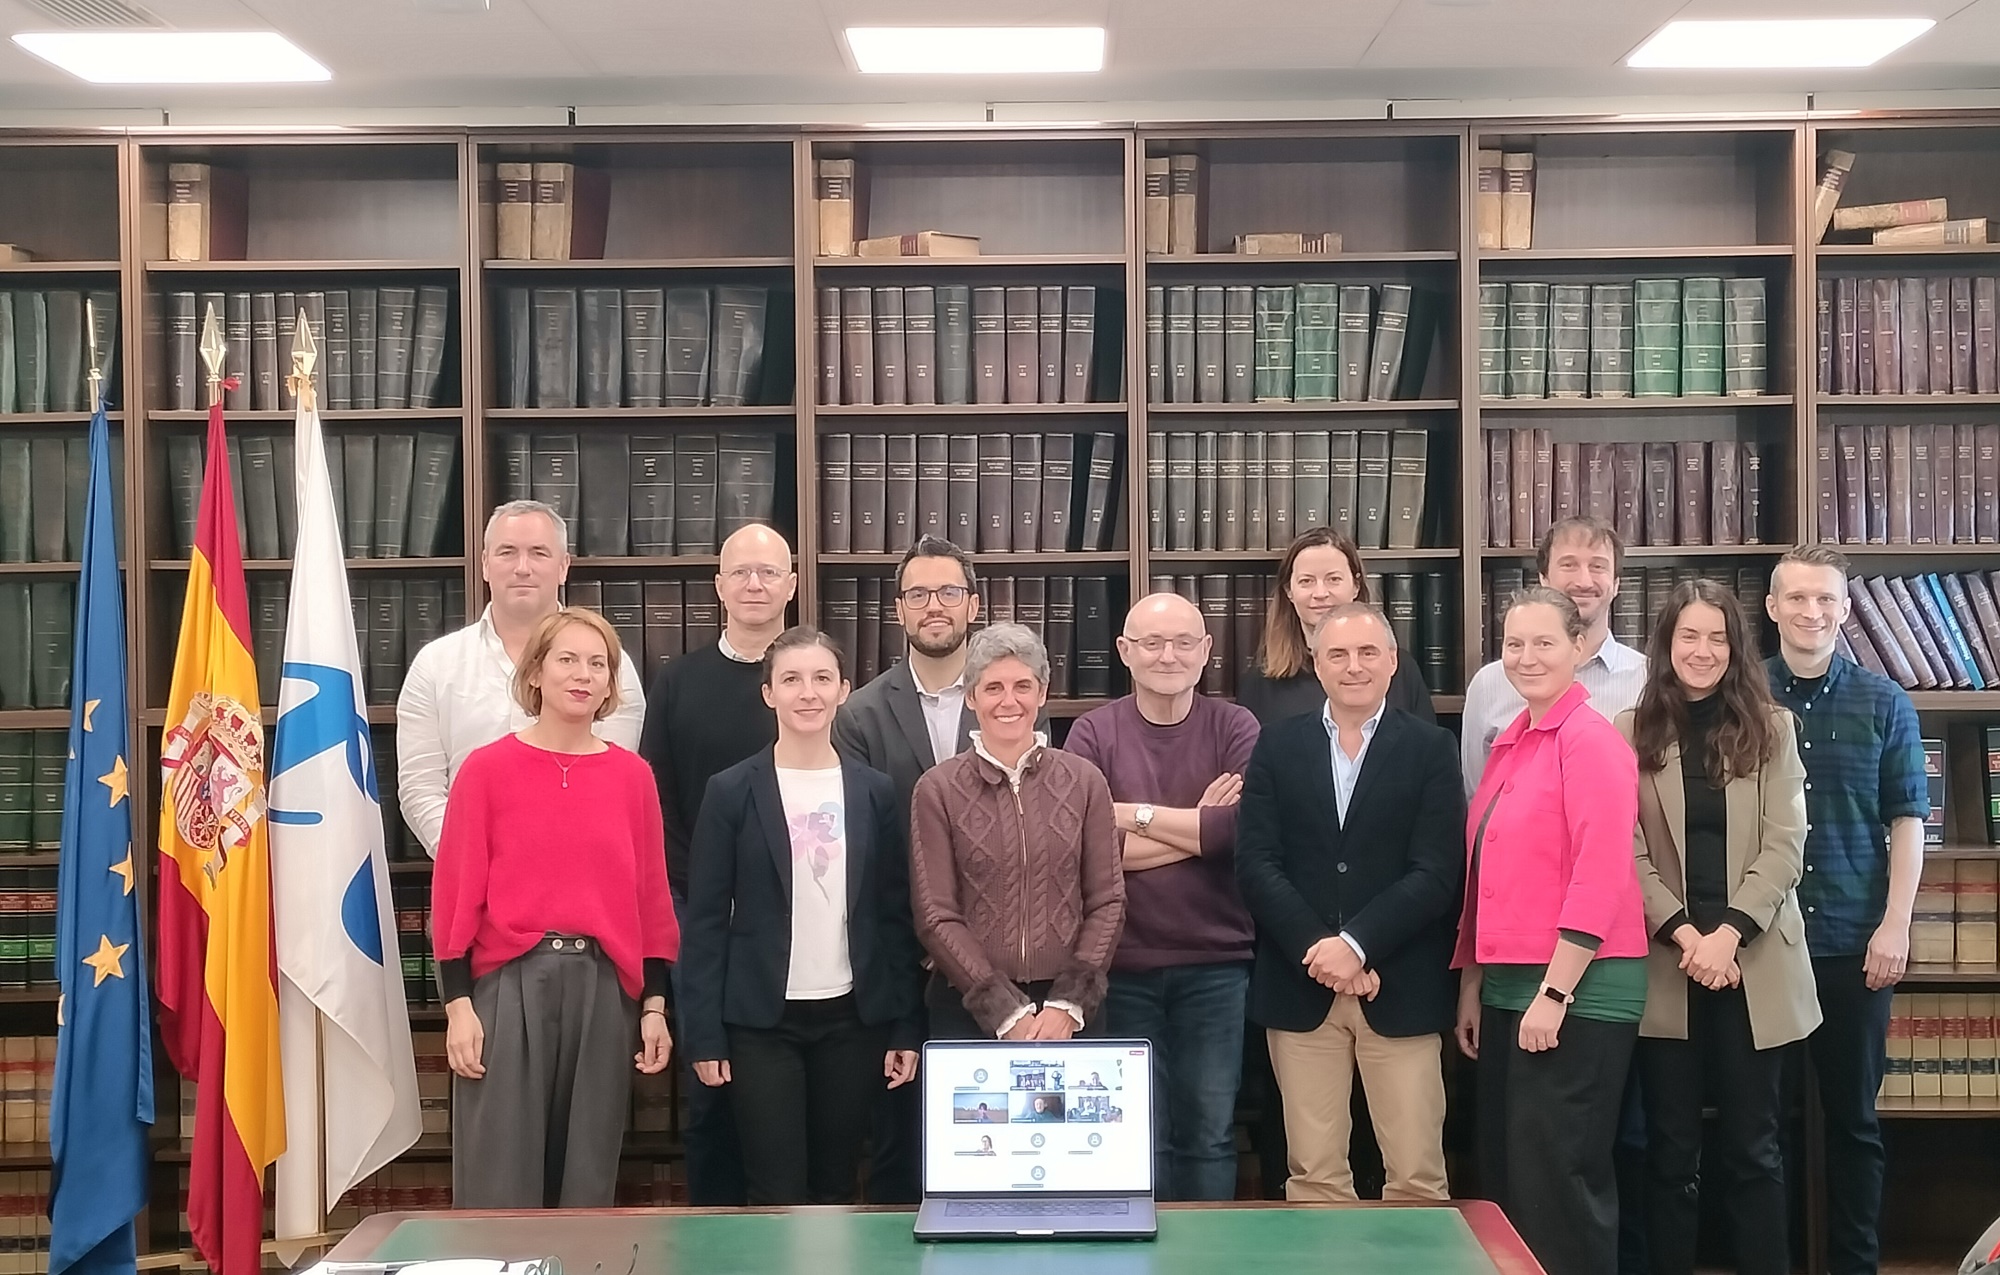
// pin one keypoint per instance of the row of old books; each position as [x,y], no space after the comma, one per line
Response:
[1908,484]
[1073,615]
[656,620]
[1173,221]
[1907,222]
[1503,202]
[47,341]
[1692,492]
[1651,338]
[646,495]
[1936,631]
[32,765]
[1934,783]
[546,210]
[948,344]
[27,1080]
[393,619]
[1253,490]
[1952,924]
[638,347]
[1910,335]
[43,478]
[1287,343]
[1642,596]
[398,842]
[1941,1051]
[24,1221]
[37,628]
[1420,608]
[381,347]
[411,897]
[27,927]
[990,493]
[395,493]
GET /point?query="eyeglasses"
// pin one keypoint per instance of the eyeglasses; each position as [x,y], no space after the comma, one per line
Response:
[950,595]
[743,575]
[1153,645]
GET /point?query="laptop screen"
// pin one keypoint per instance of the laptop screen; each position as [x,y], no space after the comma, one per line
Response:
[1042,1115]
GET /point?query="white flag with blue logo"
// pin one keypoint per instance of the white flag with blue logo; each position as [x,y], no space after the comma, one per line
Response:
[351,1101]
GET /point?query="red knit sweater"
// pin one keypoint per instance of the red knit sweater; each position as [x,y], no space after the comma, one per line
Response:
[521,855]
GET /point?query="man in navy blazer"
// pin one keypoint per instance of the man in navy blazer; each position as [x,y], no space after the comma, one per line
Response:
[1350,852]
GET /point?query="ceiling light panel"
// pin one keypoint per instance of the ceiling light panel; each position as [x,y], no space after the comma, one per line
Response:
[1777,42]
[175,57]
[976,50]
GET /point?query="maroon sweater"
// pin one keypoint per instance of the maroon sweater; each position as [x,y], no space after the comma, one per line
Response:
[1186,913]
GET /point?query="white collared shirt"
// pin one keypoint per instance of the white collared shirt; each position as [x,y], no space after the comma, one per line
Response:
[1015,771]
[458,696]
[731,653]
[1347,770]
[1614,676]
[943,711]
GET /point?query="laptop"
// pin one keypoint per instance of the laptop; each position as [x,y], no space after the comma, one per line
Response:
[1037,1139]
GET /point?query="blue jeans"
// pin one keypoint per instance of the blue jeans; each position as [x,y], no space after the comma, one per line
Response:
[1193,1014]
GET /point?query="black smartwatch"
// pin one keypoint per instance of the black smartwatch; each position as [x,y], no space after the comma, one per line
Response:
[1558,995]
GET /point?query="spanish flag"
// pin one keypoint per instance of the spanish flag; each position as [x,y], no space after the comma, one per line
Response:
[217,963]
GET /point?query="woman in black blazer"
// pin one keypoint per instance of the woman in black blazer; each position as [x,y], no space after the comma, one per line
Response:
[799,964]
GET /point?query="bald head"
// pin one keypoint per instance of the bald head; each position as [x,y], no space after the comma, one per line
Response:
[756,543]
[1165,644]
[755,579]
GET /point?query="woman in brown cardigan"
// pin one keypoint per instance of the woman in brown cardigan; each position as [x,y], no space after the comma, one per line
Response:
[1015,877]
[1721,845]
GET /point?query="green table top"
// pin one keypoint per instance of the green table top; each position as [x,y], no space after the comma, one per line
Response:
[1453,1240]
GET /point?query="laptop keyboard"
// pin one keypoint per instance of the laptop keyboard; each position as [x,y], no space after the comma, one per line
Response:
[1037,1208]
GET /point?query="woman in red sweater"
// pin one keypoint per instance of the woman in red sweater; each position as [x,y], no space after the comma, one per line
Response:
[553,933]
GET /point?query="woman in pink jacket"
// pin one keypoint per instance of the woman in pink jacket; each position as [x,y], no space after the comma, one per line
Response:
[1552,947]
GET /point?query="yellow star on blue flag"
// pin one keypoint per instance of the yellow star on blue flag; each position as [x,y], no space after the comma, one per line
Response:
[102,1101]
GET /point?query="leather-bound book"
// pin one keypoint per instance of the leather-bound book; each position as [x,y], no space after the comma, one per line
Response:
[1180,347]
[555,347]
[651,493]
[1599,496]
[1279,480]
[1371,504]
[1275,347]
[1156,344]
[1923,523]
[826,323]
[1569,340]
[836,493]
[601,346]
[954,344]
[1354,325]
[1875,474]
[1048,344]
[1725,504]
[1025,492]
[1239,344]
[1058,490]
[695,461]
[1913,336]
[1023,316]
[1896,485]
[1527,340]
[890,378]
[962,512]
[1060,627]
[1661,503]
[1937,332]
[989,345]
[1209,338]
[933,486]
[857,346]
[1960,289]
[1846,325]
[1409,455]
[996,493]
[869,483]
[1079,342]
[1499,489]
[1312,484]
[1744,310]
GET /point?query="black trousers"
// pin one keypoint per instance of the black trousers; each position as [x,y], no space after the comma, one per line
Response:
[708,1132]
[896,1146]
[1718,1059]
[951,1021]
[1848,1055]
[818,1073]
[1547,1123]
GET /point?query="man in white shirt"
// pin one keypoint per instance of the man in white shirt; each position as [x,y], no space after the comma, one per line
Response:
[1580,557]
[459,695]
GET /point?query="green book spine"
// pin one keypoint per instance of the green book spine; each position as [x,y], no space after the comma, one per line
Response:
[1355,304]
[1273,377]
[1701,336]
[17,514]
[1743,324]
[16,646]
[17,790]
[1315,378]
[1611,340]
[1492,340]
[51,760]
[1392,333]
[31,351]
[52,606]
[1527,340]
[9,400]
[1569,340]
[1656,338]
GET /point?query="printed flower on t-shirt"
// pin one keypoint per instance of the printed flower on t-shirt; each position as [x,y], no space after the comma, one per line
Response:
[817,836]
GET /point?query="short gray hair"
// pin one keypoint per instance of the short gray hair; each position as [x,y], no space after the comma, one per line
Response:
[1347,610]
[996,642]
[515,508]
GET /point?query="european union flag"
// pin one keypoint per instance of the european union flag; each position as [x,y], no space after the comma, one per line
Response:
[103,1098]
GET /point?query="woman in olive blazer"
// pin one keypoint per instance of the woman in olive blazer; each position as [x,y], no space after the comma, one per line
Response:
[1720,848]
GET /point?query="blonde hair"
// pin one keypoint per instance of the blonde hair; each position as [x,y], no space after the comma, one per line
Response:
[528,695]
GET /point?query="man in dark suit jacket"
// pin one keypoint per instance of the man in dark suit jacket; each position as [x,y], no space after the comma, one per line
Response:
[1350,852]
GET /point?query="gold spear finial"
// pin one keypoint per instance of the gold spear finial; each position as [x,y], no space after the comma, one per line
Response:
[305,354]
[213,351]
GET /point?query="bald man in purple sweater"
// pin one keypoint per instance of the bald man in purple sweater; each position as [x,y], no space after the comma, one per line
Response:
[1175,760]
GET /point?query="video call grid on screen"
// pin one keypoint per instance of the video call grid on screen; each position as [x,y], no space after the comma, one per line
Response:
[1038,1116]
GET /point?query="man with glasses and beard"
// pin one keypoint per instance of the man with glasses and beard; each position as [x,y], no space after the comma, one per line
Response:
[904,722]
[705,713]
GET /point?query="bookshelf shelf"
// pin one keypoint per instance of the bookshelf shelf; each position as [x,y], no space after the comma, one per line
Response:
[39,568]
[1368,406]
[1292,260]
[990,561]
[1701,403]
[37,859]
[1962,852]
[1688,252]
[60,267]
[1269,557]
[1074,707]
[639,413]
[1938,1113]
[305,266]
[1447,704]
[1865,250]
[33,718]
[1985,551]
[409,867]
[629,563]
[639,263]
[55,418]
[1956,701]
[29,996]
[326,415]
[851,410]
[1656,552]
[1868,401]
[1981,976]
[353,564]
[1001,262]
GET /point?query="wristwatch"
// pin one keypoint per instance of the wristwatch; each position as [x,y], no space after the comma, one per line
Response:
[1142,818]
[1558,995]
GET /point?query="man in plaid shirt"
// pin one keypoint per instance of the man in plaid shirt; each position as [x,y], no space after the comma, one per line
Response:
[1866,800]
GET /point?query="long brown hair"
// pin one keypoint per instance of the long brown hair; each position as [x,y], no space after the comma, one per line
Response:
[1743,736]
[1285,653]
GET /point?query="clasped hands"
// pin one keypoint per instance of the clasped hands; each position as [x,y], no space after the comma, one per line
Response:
[1710,959]
[1332,963]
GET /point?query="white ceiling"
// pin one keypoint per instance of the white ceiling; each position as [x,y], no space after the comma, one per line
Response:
[784,59]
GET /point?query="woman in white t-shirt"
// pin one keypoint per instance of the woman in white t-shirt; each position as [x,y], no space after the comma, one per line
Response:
[800,967]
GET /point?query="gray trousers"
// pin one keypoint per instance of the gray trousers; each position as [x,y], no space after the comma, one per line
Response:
[544,1127]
